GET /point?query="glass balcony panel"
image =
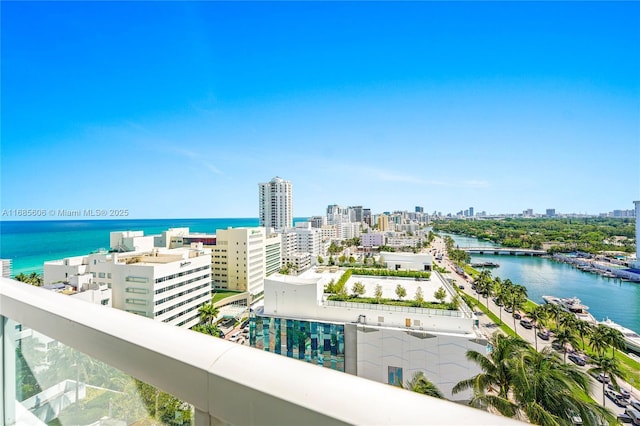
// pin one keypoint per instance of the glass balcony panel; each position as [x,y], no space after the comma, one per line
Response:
[57,385]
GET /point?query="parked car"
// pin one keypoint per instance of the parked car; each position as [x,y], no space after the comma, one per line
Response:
[517,315]
[633,414]
[526,324]
[461,287]
[543,334]
[557,345]
[508,309]
[574,418]
[616,398]
[625,418]
[625,393]
[603,378]
[577,359]
[635,404]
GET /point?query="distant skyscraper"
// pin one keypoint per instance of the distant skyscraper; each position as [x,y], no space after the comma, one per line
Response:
[419,209]
[366,216]
[276,204]
[358,213]
[470,211]
[383,223]
[551,212]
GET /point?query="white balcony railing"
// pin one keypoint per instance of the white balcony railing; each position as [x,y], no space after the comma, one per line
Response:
[226,383]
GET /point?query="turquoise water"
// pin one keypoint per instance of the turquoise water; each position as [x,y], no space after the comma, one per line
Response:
[606,297]
[31,243]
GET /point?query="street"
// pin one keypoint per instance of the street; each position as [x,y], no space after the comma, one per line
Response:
[488,327]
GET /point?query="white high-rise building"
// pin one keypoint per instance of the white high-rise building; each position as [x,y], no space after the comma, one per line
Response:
[276,204]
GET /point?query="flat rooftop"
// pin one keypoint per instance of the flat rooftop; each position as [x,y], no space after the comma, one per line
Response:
[388,284]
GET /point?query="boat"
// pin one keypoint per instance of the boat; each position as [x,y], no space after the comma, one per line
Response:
[572,305]
[485,265]
[631,338]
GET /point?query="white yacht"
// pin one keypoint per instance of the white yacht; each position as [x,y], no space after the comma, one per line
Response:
[631,338]
[572,305]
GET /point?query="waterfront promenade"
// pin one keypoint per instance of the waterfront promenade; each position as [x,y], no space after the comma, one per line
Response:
[488,326]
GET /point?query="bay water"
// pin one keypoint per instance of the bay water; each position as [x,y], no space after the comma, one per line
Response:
[542,276]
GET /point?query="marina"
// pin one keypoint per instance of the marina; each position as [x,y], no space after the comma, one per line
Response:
[611,298]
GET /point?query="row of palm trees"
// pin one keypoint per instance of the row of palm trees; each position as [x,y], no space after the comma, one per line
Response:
[536,386]
[508,294]
[32,278]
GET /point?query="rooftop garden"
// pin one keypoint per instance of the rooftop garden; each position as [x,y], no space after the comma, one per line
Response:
[339,292]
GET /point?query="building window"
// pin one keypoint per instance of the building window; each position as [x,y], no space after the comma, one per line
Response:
[395,376]
[101,274]
[137,279]
[137,290]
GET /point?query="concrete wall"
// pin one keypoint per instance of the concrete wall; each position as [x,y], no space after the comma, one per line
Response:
[441,357]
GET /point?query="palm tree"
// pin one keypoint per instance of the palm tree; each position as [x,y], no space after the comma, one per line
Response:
[599,338]
[208,313]
[501,290]
[35,279]
[21,277]
[567,320]
[496,376]
[484,284]
[544,389]
[538,315]
[583,328]
[608,367]
[420,384]
[615,338]
[554,311]
[565,337]
[517,298]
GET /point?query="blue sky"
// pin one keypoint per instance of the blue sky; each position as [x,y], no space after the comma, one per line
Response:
[180,109]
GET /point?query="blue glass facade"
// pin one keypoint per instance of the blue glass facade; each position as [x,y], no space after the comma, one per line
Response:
[315,342]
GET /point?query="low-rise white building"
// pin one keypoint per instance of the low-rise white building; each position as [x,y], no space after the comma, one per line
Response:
[407,261]
[383,343]
[168,285]
[372,239]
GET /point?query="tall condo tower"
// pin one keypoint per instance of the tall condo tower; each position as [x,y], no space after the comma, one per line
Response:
[276,204]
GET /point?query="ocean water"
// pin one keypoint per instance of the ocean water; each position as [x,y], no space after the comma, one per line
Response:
[31,243]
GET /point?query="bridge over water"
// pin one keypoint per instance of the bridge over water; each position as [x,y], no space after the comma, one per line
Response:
[503,250]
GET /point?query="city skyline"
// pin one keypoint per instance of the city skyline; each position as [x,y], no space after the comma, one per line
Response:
[179,109]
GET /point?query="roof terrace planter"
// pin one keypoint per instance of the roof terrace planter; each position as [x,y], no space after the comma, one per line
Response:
[394,306]
[392,302]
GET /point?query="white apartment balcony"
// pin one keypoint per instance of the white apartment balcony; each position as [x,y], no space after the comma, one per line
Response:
[220,382]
